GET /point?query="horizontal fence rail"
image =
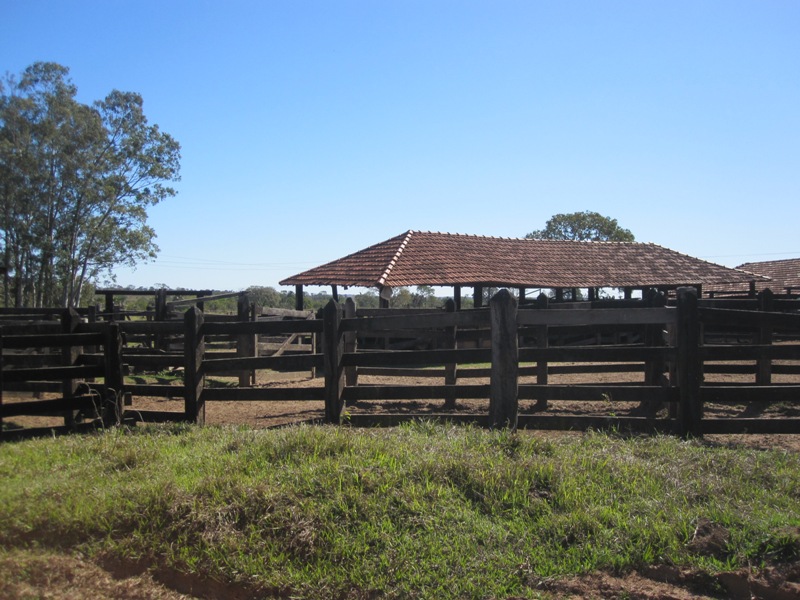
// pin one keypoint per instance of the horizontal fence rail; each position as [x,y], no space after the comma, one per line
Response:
[673,350]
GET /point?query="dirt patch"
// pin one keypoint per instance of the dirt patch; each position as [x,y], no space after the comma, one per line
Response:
[58,576]
[670,583]
[55,576]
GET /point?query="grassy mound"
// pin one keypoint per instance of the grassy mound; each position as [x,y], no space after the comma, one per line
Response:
[420,511]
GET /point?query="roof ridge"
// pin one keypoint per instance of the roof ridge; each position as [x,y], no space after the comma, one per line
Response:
[527,239]
[385,276]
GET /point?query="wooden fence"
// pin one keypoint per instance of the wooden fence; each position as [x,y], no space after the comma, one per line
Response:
[667,344]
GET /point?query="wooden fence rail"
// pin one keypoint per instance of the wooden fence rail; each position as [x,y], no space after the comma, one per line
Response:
[668,350]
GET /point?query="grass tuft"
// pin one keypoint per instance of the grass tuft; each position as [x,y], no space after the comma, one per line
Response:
[426,510]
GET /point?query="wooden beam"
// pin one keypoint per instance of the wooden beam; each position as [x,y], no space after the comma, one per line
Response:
[194,378]
[504,381]
[477,296]
[333,345]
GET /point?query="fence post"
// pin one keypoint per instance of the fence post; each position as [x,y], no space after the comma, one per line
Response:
[161,339]
[542,302]
[690,409]
[764,365]
[194,379]
[246,344]
[451,369]
[333,347]
[2,365]
[69,357]
[113,407]
[654,337]
[350,343]
[503,398]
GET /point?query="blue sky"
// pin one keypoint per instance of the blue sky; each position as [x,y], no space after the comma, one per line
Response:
[310,130]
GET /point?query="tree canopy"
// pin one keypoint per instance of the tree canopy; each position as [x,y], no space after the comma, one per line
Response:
[582,226]
[75,185]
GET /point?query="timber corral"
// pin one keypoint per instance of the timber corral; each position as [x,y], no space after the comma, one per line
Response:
[657,364]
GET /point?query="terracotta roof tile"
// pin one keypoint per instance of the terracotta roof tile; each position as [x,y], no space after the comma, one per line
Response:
[445,259]
[784,274]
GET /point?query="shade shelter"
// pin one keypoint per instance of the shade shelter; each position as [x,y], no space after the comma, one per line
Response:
[784,275]
[457,260]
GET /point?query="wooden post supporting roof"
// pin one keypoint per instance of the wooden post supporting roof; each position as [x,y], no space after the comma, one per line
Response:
[298,297]
[477,296]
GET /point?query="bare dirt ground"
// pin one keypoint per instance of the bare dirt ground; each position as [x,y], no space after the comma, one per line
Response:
[61,576]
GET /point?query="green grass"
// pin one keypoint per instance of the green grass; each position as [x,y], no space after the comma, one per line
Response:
[421,511]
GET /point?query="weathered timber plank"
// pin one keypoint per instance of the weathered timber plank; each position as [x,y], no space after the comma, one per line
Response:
[52,373]
[439,320]
[408,372]
[751,426]
[504,378]
[411,334]
[751,352]
[750,318]
[194,373]
[63,340]
[598,316]
[414,392]
[333,349]
[596,354]
[750,393]
[395,312]
[592,368]
[729,369]
[37,387]
[30,361]
[416,357]
[265,394]
[591,393]
[31,328]
[300,362]
[46,407]
[27,433]
[155,390]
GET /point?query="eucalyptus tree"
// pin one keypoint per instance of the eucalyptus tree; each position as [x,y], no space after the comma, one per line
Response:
[582,226]
[76,182]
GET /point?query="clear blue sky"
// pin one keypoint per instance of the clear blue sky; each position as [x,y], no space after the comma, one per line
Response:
[310,130]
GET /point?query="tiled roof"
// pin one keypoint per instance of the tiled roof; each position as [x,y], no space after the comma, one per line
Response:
[445,259]
[784,274]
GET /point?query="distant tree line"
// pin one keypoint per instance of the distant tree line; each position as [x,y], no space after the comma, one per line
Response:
[269,297]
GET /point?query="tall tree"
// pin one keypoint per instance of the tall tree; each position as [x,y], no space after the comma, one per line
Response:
[75,185]
[582,226]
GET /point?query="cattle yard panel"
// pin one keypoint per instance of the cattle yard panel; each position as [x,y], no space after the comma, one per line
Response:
[677,349]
